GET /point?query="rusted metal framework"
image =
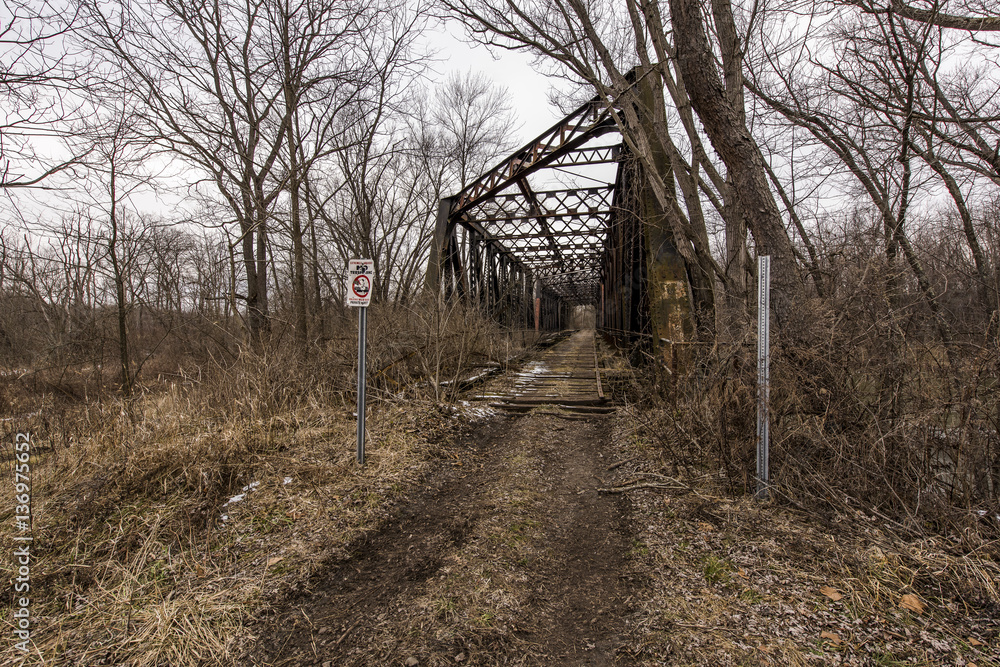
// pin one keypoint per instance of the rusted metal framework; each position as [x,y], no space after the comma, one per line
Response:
[527,255]
[623,311]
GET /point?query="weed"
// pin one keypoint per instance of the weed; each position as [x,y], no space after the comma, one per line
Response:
[131,515]
[889,660]
[716,570]
[266,523]
[522,529]
[638,549]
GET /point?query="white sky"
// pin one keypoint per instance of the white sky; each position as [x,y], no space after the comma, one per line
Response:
[508,69]
[511,70]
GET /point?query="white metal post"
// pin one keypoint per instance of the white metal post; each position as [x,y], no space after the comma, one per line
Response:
[763,371]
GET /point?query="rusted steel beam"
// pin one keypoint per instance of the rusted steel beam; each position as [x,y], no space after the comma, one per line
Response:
[624,311]
[578,264]
[579,233]
[589,121]
[532,254]
[588,156]
[559,192]
[536,209]
[547,216]
[594,246]
[577,201]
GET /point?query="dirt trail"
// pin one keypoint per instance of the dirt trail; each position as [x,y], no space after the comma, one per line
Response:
[507,556]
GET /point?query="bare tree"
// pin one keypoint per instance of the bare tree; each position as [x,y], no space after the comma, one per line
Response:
[871,92]
[407,154]
[329,54]
[724,122]
[212,98]
[475,122]
[36,79]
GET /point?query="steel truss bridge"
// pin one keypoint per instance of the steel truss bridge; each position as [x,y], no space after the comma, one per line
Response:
[526,255]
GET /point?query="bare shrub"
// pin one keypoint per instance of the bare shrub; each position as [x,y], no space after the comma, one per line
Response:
[870,410]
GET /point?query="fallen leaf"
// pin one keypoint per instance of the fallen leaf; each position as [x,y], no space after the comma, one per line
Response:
[831,593]
[975,642]
[707,527]
[275,560]
[912,603]
[832,636]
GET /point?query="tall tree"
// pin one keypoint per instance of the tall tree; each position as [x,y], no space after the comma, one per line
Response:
[475,122]
[329,55]
[724,121]
[212,98]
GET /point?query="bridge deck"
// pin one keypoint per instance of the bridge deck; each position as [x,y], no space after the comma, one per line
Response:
[564,376]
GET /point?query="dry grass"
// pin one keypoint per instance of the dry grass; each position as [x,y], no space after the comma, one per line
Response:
[140,557]
[857,423]
[139,560]
[737,582]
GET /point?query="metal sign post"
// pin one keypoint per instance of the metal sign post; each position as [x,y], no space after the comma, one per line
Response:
[362,340]
[763,371]
[359,293]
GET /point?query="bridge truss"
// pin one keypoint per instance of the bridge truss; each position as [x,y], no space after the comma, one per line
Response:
[553,226]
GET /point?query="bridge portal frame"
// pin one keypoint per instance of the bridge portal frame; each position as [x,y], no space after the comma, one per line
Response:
[526,257]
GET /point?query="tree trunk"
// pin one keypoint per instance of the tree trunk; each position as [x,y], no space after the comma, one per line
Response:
[298,248]
[119,278]
[732,141]
[737,259]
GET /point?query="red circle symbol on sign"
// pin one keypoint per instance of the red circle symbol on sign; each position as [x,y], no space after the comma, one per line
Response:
[361,286]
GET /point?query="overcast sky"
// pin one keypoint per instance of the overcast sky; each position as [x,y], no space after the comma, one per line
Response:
[512,70]
[527,89]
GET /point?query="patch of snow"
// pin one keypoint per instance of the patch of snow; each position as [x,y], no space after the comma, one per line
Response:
[240,496]
[532,370]
[288,480]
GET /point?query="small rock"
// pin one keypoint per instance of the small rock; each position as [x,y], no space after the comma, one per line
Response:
[411,662]
[328,663]
[460,657]
[325,629]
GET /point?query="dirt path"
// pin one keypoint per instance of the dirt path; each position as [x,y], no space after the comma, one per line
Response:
[507,556]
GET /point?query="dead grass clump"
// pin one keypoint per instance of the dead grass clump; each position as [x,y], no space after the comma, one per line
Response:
[879,432]
[161,525]
[859,421]
[164,522]
[733,581]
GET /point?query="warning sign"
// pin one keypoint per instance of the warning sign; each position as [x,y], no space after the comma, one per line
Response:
[360,277]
